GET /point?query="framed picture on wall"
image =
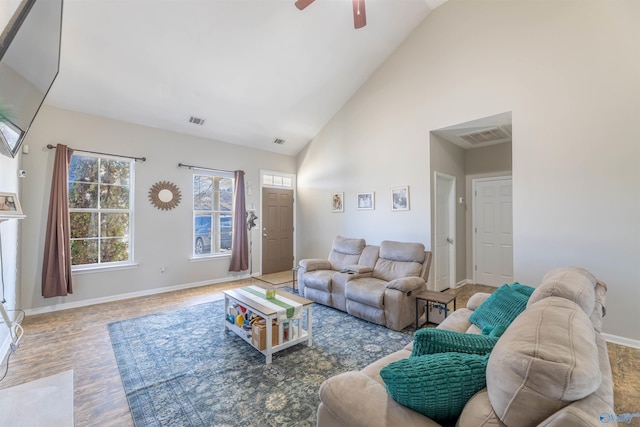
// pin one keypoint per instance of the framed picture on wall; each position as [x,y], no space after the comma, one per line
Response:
[400,198]
[337,202]
[366,201]
[10,205]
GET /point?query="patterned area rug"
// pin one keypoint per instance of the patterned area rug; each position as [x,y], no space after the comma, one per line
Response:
[180,368]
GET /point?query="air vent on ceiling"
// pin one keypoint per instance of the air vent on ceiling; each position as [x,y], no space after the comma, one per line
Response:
[492,135]
[278,141]
[196,120]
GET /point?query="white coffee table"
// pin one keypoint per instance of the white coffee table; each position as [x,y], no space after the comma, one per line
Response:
[296,333]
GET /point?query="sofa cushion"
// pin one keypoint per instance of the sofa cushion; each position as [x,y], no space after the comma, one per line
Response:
[366,290]
[504,305]
[399,259]
[457,321]
[545,359]
[348,246]
[342,393]
[432,340]
[345,251]
[476,299]
[402,251]
[319,279]
[436,385]
[389,270]
[573,283]
[478,412]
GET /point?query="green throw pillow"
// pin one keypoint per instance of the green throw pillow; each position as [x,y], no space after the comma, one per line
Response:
[502,306]
[436,385]
[494,331]
[523,289]
[433,340]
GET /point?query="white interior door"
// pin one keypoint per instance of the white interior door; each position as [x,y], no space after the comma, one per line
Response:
[493,231]
[444,253]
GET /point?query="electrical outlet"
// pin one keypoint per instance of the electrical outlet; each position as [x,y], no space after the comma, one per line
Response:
[162,271]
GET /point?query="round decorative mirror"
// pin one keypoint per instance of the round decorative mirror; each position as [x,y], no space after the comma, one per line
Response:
[164,195]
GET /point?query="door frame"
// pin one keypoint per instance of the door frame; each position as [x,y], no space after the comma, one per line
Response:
[474,238]
[450,221]
[293,187]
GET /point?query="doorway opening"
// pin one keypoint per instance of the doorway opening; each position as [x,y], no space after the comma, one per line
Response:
[445,231]
[469,152]
[277,225]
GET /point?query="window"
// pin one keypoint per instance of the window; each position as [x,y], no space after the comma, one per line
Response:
[272,180]
[100,210]
[212,214]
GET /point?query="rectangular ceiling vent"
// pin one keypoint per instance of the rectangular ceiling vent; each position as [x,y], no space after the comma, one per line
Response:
[196,120]
[492,135]
[278,141]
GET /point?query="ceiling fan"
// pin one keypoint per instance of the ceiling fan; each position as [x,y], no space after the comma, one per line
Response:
[359,15]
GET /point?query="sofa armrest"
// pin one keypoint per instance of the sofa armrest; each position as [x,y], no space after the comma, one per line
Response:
[476,299]
[341,394]
[356,269]
[347,277]
[406,284]
[315,264]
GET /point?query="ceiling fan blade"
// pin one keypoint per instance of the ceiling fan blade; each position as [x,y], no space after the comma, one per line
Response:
[359,14]
[301,4]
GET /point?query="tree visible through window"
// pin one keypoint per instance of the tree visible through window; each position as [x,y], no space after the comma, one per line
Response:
[100,210]
[212,217]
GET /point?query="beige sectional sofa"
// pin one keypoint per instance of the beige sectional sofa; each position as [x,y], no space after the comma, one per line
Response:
[375,283]
[549,368]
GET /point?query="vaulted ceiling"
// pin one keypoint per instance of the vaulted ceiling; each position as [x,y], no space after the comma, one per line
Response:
[253,70]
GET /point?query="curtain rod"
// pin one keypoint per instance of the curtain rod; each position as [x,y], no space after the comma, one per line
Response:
[142,159]
[182,165]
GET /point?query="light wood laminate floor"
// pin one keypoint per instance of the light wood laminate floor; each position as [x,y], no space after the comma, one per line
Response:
[78,339]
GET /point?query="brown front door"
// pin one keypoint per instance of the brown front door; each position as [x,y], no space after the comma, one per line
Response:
[277,230]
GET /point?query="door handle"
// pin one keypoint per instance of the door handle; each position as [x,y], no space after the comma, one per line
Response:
[264,235]
[450,240]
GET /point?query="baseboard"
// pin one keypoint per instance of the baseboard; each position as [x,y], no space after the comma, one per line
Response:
[77,304]
[463,283]
[615,339]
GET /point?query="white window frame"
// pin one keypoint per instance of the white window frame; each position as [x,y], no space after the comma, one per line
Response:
[118,264]
[211,254]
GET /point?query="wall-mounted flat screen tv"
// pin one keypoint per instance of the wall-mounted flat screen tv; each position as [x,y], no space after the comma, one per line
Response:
[29,63]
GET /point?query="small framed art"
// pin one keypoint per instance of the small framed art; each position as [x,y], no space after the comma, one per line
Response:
[366,201]
[10,205]
[337,202]
[400,198]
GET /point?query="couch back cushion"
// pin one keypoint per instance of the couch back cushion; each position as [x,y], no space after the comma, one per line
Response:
[345,251]
[573,283]
[399,259]
[546,359]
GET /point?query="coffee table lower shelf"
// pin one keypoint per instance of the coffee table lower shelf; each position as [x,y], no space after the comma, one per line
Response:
[296,333]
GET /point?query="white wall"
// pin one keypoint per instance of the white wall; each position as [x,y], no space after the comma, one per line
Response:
[568,71]
[9,231]
[162,238]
